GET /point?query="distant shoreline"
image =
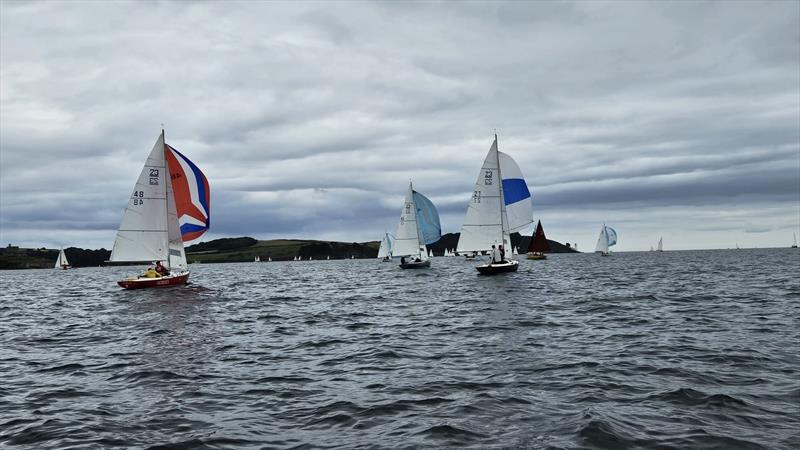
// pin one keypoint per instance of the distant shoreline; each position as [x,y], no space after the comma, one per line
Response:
[240,249]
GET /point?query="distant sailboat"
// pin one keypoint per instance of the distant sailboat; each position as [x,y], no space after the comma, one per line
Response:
[500,205]
[61,262]
[660,247]
[430,253]
[169,206]
[419,226]
[651,248]
[269,259]
[515,252]
[328,257]
[794,242]
[385,250]
[539,244]
[608,237]
[257,259]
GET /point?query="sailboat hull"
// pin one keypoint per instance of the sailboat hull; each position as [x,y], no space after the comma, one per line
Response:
[416,265]
[495,268]
[143,283]
[532,255]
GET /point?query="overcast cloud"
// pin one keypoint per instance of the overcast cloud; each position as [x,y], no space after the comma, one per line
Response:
[679,119]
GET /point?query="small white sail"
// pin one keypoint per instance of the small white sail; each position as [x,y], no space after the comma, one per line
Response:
[794,240]
[269,259]
[430,253]
[407,240]
[660,247]
[516,251]
[61,262]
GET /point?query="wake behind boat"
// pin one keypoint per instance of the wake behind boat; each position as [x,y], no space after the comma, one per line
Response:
[500,205]
[162,213]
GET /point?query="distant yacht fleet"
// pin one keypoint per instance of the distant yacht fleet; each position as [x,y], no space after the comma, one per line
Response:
[170,205]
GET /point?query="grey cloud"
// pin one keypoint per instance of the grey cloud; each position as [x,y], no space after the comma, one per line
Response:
[310,118]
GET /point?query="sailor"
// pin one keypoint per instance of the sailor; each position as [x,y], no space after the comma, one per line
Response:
[150,273]
[403,260]
[496,258]
[502,253]
[161,270]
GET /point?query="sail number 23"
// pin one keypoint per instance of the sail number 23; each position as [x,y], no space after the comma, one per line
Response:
[138,198]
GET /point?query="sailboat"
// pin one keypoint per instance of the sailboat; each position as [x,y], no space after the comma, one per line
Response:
[651,248]
[794,242]
[257,259]
[430,253]
[61,262]
[500,205]
[269,259]
[660,246]
[607,238]
[538,244]
[419,226]
[385,250]
[170,205]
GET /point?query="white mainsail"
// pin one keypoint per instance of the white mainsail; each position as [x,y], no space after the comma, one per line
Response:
[62,260]
[149,230]
[488,221]
[660,247]
[407,240]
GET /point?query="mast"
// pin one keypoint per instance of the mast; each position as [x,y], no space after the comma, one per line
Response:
[166,192]
[416,220]
[502,198]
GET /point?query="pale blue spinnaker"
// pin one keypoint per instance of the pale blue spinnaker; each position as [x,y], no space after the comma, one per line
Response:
[611,236]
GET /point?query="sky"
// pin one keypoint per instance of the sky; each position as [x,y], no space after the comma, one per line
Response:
[673,119]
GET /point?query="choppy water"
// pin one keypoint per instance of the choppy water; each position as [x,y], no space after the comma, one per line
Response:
[647,350]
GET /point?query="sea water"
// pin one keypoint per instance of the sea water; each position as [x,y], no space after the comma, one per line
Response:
[694,349]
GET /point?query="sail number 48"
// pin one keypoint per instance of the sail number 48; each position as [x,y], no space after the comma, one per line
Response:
[138,198]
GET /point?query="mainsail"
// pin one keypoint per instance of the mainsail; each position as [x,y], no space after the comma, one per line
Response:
[143,235]
[660,247]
